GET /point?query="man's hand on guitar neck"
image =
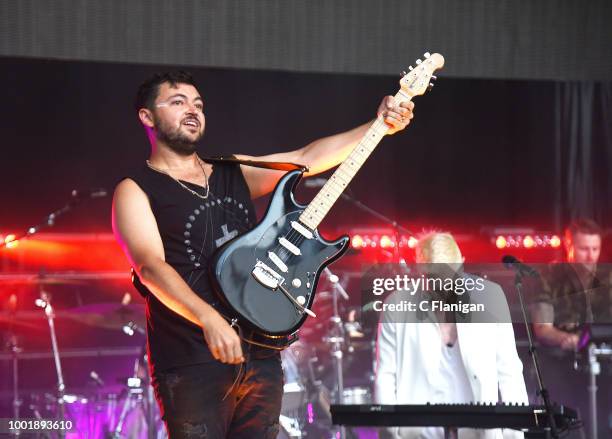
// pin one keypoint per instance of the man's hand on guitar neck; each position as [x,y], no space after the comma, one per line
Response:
[397,117]
[327,152]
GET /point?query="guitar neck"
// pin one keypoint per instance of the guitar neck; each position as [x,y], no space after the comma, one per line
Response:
[340,179]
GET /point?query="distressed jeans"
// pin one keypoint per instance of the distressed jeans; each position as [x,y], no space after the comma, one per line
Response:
[194,402]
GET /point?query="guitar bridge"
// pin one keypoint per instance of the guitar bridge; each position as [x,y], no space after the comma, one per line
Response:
[266,276]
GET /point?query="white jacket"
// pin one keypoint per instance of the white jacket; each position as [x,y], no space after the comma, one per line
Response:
[408,354]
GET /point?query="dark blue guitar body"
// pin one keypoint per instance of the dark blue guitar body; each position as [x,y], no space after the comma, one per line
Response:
[251,293]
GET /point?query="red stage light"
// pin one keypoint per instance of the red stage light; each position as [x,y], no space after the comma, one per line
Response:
[412,242]
[500,242]
[357,242]
[386,242]
[10,241]
[523,237]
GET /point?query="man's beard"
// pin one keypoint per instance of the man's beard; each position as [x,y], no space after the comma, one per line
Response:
[176,140]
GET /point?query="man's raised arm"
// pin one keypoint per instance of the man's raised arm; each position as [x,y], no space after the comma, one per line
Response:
[327,152]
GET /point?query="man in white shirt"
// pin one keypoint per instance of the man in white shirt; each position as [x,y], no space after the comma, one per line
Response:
[431,362]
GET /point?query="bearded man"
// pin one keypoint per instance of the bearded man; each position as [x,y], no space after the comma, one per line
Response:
[170,216]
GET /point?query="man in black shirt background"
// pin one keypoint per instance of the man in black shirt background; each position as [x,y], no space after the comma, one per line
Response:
[574,294]
[169,216]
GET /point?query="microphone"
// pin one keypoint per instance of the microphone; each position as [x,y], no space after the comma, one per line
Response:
[89,193]
[315,182]
[513,263]
[96,378]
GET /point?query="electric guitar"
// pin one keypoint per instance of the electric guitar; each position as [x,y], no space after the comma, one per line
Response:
[268,276]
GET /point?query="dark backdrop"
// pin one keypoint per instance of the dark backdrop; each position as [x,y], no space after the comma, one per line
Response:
[510,39]
[478,151]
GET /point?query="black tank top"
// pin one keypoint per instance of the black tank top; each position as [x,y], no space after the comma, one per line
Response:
[191,229]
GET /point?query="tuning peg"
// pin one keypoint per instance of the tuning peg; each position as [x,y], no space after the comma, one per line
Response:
[410,68]
[418,61]
[433,78]
[427,55]
[431,85]
[404,73]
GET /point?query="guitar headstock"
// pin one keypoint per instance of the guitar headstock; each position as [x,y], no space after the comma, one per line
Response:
[419,79]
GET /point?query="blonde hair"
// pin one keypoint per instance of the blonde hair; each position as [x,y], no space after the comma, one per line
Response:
[438,248]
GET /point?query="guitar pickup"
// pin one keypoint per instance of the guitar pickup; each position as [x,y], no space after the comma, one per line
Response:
[266,276]
[289,246]
[301,230]
[278,262]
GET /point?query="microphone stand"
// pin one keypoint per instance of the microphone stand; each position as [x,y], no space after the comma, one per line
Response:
[15,349]
[48,221]
[551,430]
[390,222]
[336,339]
[44,302]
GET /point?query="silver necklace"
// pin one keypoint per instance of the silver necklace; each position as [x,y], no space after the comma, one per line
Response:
[181,183]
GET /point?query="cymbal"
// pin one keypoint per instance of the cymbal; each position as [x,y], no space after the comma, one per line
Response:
[108,315]
[37,279]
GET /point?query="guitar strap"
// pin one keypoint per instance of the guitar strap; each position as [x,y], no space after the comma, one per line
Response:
[277,166]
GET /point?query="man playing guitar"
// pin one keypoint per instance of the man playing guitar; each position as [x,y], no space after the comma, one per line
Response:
[169,216]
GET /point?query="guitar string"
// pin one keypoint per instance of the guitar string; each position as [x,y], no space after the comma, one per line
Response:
[284,253]
[300,237]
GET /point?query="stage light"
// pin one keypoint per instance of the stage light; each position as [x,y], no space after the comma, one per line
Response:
[379,243]
[501,242]
[10,241]
[526,238]
[386,242]
[357,242]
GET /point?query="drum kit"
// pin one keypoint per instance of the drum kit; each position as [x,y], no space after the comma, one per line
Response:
[313,367]
[331,363]
[128,411]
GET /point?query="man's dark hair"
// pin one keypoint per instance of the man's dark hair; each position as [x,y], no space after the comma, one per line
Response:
[149,89]
[582,225]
